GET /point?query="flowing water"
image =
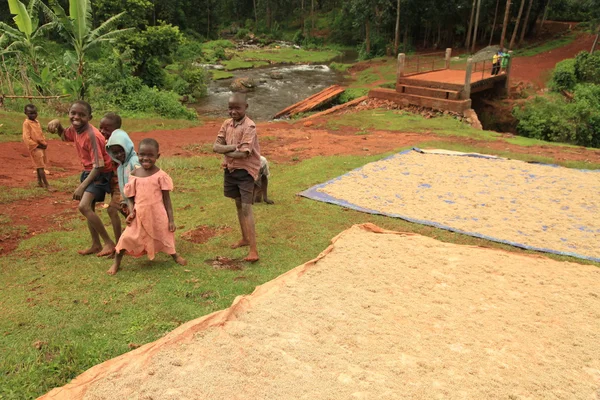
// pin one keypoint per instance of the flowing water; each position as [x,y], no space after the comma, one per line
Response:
[296,83]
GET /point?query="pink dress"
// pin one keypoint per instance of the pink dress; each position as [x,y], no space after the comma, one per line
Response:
[149,231]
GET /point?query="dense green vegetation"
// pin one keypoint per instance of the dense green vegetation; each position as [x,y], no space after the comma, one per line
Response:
[571,113]
[155,49]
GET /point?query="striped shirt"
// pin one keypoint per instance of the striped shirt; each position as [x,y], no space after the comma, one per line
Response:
[91,148]
[243,135]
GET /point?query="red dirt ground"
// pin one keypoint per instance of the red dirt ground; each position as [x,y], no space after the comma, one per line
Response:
[537,69]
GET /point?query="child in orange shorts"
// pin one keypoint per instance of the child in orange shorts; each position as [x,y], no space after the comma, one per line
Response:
[34,139]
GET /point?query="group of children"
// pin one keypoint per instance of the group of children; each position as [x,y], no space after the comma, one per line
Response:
[500,62]
[139,189]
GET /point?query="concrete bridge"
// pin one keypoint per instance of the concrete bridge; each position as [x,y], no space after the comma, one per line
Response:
[436,81]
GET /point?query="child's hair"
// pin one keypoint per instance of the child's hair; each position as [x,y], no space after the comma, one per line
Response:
[83,103]
[239,98]
[29,107]
[150,142]
[115,118]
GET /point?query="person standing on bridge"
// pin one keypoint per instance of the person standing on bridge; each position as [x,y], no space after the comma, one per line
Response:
[496,63]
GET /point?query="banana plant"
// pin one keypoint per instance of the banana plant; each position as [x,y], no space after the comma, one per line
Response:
[78,28]
[22,39]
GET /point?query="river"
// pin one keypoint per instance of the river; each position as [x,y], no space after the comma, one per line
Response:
[272,95]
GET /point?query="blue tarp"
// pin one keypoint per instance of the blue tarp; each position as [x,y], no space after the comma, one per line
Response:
[313,193]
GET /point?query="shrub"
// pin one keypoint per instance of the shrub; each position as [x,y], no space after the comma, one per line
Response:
[546,118]
[563,77]
[587,67]
[340,66]
[554,119]
[351,94]
[242,34]
[378,48]
[190,51]
[298,37]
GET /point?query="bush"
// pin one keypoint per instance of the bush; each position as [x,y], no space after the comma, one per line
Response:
[587,67]
[554,119]
[351,94]
[378,48]
[546,118]
[563,77]
[242,34]
[298,37]
[190,51]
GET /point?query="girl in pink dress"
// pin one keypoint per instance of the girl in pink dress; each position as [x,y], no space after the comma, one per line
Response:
[150,226]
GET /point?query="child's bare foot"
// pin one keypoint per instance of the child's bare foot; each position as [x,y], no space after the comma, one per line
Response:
[107,250]
[113,270]
[91,250]
[50,189]
[179,260]
[252,257]
[241,243]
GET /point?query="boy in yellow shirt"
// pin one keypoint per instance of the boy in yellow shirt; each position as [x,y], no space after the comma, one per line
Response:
[34,139]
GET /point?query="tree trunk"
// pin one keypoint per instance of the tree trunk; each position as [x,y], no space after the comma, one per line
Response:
[525,22]
[595,43]
[269,15]
[256,14]
[405,44]
[303,17]
[469,31]
[368,36]
[494,24]
[397,32]
[476,26]
[514,35]
[545,15]
[208,19]
[312,15]
[505,23]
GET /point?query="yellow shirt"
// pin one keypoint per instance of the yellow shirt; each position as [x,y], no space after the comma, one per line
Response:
[495,58]
[33,135]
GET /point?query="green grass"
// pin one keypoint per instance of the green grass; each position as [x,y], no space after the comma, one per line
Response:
[340,66]
[537,48]
[238,63]
[62,314]
[217,74]
[11,124]
[289,55]
[407,122]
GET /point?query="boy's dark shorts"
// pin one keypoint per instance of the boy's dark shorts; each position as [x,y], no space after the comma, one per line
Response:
[239,184]
[100,186]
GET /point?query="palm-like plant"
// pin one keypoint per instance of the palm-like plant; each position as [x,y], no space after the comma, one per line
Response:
[78,28]
[23,38]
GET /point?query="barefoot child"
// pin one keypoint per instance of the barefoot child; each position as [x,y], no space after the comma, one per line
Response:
[34,139]
[96,175]
[150,224]
[238,142]
[262,183]
[109,124]
[120,148]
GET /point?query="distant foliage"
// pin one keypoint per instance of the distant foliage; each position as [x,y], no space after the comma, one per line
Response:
[563,77]
[587,67]
[556,118]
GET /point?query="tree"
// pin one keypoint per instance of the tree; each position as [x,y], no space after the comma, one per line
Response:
[514,35]
[468,43]
[78,29]
[494,23]
[397,31]
[476,26]
[23,39]
[525,23]
[505,23]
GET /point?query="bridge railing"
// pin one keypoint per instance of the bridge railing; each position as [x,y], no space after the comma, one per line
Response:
[420,63]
